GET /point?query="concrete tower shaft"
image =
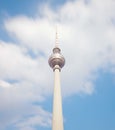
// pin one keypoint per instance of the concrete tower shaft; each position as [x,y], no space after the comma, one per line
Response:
[56,62]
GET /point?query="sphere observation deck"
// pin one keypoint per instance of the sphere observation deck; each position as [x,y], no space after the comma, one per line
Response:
[56,59]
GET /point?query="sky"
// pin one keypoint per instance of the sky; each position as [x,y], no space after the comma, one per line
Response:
[86,31]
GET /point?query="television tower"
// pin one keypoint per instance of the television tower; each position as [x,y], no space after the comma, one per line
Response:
[56,62]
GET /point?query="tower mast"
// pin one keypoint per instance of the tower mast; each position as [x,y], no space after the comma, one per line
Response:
[56,62]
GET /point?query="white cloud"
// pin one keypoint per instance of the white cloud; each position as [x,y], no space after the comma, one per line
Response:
[86,33]
[4,84]
[35,118]
[25,117]
[31,32]
[16,64]
[21,84]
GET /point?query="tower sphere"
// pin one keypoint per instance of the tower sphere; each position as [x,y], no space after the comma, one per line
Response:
[56,58]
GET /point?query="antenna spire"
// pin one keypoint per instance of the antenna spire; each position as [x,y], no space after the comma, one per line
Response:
[57,40]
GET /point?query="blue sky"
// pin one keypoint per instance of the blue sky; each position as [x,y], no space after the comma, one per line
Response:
[86,30]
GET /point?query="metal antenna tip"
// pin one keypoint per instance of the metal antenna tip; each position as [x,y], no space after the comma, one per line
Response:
[57,42]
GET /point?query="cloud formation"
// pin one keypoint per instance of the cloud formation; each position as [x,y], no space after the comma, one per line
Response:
[86,34]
